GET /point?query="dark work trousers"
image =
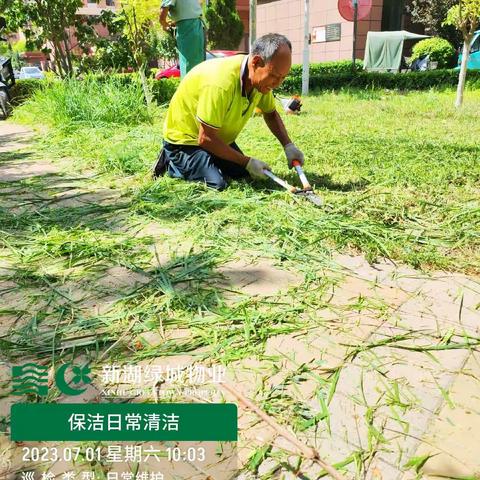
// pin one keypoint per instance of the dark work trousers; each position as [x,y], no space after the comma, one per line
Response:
[195,164]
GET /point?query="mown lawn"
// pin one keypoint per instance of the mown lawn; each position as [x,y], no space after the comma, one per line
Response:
[399,174]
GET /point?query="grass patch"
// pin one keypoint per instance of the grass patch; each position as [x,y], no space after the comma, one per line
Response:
[399,174]
[69,103]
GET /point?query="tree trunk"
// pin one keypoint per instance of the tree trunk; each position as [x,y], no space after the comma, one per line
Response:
[145,86]
[68,57]
[57,58]
[66,45]
[463,73]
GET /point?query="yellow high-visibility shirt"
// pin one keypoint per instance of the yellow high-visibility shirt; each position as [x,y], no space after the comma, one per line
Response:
[213,93]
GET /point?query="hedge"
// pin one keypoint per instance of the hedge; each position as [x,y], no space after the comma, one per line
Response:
[164,89]
[342,66]
[368,80]
[323,76]
[23,89]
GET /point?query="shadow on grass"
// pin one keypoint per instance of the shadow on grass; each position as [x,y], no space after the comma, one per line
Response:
[6,157]
[326,182]
[173,199]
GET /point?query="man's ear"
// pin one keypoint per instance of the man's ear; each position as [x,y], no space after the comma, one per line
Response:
[257,61]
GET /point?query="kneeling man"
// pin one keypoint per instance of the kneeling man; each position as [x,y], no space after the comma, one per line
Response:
[212,105]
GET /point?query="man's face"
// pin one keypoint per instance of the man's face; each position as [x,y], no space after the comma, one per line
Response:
[267,76]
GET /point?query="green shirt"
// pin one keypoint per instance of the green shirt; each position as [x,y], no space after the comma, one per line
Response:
[182,9]
[213,93]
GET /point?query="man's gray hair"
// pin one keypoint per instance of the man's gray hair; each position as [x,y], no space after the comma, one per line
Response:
[268,45]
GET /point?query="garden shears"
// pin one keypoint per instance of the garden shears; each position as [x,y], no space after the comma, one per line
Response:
[306,191]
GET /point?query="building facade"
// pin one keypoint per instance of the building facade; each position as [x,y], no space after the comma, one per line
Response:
[243,9]
[331,36]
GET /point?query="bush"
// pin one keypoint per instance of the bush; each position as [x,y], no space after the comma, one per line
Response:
[164,89]
[91,101]
[152,72]
[401,81]
[342,66]
[23,89]
[439,50]
[77,99]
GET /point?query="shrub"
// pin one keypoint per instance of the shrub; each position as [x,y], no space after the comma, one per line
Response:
[77,98]
[152,72]
[23,89]
[164,89]
[92,101]
[342,66]
[442,78]
[439,50]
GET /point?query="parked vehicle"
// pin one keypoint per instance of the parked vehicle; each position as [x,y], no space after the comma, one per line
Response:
[474,58]
[7,80]
[174,71]
[31,73]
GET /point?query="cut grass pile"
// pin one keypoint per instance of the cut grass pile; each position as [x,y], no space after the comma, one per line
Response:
[399,174]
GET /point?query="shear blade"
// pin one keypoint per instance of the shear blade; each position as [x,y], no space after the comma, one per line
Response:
[316,200]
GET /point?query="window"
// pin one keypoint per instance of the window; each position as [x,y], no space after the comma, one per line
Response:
[392,15]
[91,1]
[110,3]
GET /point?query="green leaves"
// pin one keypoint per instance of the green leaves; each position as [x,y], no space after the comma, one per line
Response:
[225,28]
[46,21]
[417,463]
[465,16]
[438,49]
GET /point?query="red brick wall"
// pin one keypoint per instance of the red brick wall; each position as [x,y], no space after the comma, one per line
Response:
[286,17]
[244,12]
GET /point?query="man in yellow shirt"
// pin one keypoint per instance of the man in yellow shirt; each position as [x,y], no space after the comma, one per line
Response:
[212,105]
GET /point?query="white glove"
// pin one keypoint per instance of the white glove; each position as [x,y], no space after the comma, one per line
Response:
[255,168]
[293,153]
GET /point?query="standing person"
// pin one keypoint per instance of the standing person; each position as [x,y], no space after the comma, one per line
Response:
[186,17]
[211,107]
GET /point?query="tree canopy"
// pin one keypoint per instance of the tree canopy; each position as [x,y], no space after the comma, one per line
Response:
[46,24]
[431,14]
[225,28]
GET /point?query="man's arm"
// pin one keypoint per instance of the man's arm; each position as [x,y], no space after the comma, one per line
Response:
[277,127]
[275,124]
[163,18]
[210,141]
